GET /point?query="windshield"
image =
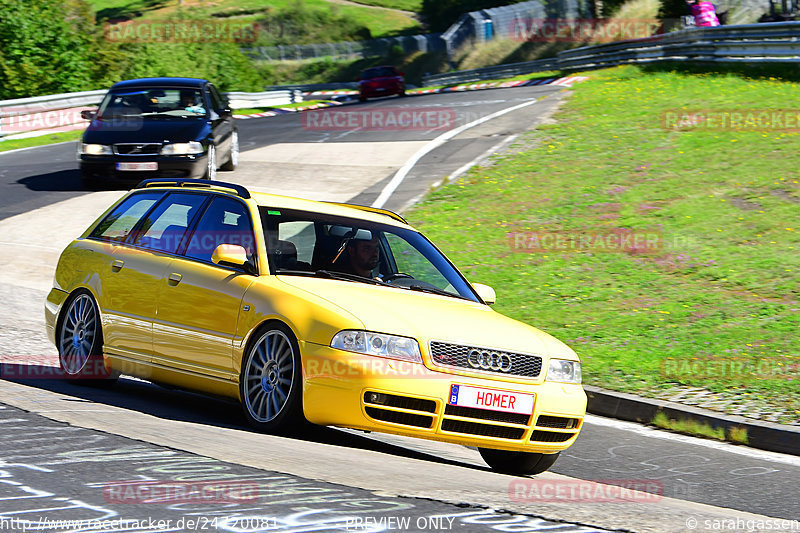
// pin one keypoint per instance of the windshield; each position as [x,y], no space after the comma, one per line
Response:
[314,244]
[153,102]
[378,72]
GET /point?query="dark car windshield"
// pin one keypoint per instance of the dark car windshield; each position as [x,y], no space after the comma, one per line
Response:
[152,103]
[315,244]
[378,72]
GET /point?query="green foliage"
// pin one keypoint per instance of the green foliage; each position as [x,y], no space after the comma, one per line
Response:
[44,47]
[54,46]
[299,24]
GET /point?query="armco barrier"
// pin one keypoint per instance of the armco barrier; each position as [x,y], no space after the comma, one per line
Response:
[61,112]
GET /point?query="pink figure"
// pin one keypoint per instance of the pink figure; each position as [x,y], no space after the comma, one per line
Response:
[703,12]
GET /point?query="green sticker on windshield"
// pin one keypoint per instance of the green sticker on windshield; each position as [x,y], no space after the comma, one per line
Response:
[274,213]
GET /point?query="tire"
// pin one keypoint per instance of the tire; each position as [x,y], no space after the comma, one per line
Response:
[270,383]
[233,154]
[79,340]
[518,463]
[211,163]
[362,98]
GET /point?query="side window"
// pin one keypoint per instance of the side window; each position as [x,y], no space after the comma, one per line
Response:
[216,99]
[163,229]
[120,222]
[226,221]
[298,237]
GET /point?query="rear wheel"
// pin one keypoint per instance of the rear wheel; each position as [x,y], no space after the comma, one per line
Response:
[233,155]
[270,382]
[80,342]
[518,463]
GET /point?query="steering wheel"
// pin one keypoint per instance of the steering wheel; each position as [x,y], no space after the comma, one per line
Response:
[397,275]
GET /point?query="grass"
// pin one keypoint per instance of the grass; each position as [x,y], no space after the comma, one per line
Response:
[42,140]
[717,307]
[403,5]
[251,110]
[381,23]
[737,435]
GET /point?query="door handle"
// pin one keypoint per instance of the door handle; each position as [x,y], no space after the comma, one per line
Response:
[174,278]
[116,266]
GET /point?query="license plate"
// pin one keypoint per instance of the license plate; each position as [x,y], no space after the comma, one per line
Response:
[491,399]
[137,166]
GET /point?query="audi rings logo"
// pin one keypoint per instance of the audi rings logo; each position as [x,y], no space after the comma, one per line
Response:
[486,360]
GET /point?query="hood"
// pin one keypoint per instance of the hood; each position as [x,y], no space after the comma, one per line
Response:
[147,130]
[427,317]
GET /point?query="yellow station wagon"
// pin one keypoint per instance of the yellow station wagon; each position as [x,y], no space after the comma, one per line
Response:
[340,314]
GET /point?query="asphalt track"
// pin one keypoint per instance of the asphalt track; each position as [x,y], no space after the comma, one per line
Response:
[42,206]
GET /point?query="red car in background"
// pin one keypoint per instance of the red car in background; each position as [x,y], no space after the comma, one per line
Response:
[380,81]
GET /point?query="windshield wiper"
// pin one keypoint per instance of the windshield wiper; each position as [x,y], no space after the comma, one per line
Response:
[434,290]
[348,277]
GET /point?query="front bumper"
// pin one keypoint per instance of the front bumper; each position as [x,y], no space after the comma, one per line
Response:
[374,394]
[103,168]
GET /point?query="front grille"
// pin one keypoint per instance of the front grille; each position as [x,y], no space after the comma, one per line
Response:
[457,355]
[401,402]
[482,430]
[396,417]
[557,422]
[550,436]
[137,149]
[485,414]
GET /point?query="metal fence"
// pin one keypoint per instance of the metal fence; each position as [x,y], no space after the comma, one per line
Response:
[499,22]
[345,50]
[775,42]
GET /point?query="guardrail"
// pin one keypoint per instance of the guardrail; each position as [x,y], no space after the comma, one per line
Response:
[61,112]
[491,73]
[773,42]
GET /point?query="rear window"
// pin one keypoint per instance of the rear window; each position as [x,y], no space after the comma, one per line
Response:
[118,224]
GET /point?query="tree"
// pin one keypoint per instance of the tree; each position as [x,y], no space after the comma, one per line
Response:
[45,47]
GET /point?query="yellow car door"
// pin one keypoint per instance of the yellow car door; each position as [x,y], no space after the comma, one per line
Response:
[199,301]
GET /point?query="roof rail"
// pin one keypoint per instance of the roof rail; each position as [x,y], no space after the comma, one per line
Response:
[379,211]
[187,182]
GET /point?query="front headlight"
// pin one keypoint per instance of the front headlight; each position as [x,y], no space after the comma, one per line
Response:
[95,149]
[379,344]
[564,371]
[192,147]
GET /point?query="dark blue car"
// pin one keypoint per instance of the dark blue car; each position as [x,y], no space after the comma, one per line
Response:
[158,128]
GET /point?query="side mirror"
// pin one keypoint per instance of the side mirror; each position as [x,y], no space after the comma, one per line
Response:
[486,293]
[88,114]
[232,255]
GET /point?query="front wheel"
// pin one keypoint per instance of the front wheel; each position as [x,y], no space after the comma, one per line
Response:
[80,342]
[233,155]
[211,163]
[518,463]
[270,382]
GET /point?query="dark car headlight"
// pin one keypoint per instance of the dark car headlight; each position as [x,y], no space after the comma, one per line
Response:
[95,149]
[192,147]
